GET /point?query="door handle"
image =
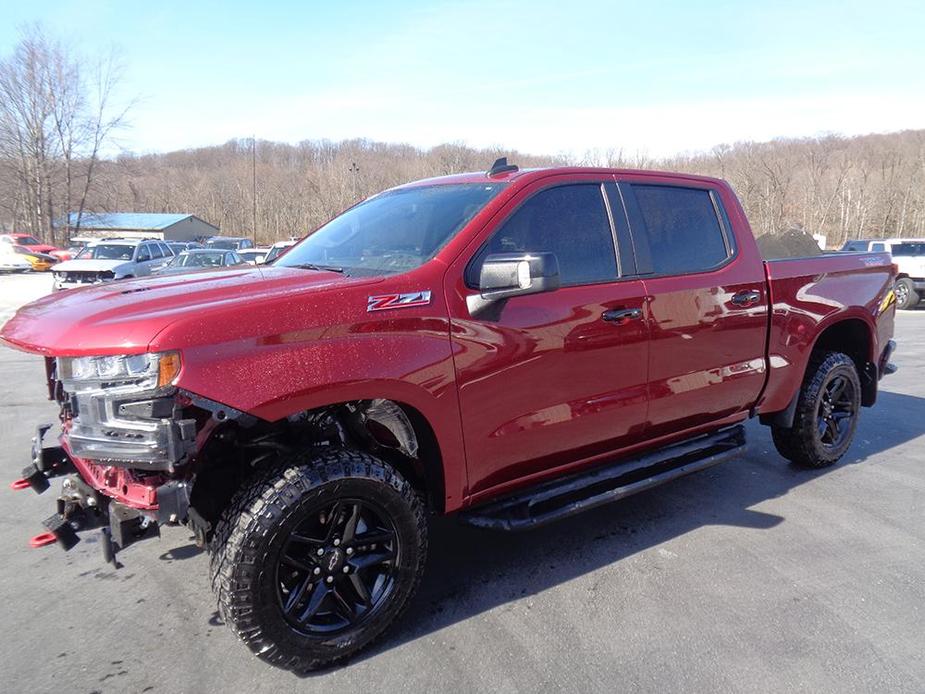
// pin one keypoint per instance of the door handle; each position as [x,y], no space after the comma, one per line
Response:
[747,298]
[621,315]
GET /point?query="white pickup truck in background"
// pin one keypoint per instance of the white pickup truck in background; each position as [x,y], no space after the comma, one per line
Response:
[909,256]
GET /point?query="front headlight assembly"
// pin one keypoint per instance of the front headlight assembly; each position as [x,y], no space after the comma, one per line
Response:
[142,372]
[123,409]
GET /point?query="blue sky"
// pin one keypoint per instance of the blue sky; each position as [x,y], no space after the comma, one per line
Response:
[544,77]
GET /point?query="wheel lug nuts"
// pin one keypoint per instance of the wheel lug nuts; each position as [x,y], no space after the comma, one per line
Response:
[329,579]
[320,552]
[316,571]
[336,542]
[346,569]
[349,551]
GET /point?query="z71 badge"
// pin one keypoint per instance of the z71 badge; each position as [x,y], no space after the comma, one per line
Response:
[381,302]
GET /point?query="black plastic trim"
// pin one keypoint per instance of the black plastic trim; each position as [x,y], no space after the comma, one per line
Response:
[566,496]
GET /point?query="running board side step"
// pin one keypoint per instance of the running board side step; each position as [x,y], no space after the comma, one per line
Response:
[561,498]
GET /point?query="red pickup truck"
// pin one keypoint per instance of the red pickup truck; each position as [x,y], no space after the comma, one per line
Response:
[511,347]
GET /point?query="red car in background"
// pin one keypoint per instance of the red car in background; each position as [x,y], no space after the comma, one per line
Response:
[33,244]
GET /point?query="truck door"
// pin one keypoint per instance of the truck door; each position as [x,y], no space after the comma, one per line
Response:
[708,304]
[551,379]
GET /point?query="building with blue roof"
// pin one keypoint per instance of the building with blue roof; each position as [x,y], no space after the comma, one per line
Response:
[166,226]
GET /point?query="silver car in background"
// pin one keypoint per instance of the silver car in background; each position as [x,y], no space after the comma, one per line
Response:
[112,259]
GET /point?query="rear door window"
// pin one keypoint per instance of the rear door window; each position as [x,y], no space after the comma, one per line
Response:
[570,221]
[682,227]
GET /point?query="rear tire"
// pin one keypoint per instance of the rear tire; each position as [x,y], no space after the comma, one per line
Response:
[315,559]
[906,295]
[827,413]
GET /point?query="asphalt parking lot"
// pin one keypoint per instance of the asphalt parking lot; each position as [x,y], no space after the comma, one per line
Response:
[753,576]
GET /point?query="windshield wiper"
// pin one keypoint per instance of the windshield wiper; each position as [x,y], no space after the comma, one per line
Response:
[312,266]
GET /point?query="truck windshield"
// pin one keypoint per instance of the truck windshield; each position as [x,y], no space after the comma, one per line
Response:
[198,259]
[107,251]
[393,232]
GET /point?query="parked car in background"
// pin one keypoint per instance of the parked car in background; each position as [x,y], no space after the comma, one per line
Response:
[33,244]
[112,259]
[277,249]
[254,256]
[77,243]
[179,246]
[231,243]
[40,262]
[875,245]
[909,258]
[11,261]
[201,259]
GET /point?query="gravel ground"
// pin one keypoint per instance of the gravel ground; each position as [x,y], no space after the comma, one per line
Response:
[752,576]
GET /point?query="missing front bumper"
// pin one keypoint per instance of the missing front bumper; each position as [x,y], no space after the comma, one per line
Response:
[85,503]
[138,430]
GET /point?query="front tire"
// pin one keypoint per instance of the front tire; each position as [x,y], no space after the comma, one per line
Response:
[827,413]
[906,295]
[318,557]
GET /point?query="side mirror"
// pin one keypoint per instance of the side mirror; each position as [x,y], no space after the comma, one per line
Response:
[505,275]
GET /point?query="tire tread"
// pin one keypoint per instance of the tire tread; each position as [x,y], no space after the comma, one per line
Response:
[797,443]
[253,513]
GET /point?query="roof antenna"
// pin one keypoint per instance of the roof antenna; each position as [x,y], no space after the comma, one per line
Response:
[501,166]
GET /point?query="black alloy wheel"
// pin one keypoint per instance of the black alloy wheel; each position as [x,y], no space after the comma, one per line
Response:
[314,558]
[337,567]
[827,412]
[836,411]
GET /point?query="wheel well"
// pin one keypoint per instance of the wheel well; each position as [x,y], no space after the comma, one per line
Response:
[852,337]
[901,275]
[394,431]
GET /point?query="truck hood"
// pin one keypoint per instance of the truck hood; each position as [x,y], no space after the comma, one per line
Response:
[90,265]
[123,317]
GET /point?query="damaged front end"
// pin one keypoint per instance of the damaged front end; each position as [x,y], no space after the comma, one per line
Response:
[137,452]
[127,436]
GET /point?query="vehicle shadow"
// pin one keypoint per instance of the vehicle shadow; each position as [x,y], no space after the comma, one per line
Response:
[471,571]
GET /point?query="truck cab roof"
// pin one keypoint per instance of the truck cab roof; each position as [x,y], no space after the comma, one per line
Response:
[525,176]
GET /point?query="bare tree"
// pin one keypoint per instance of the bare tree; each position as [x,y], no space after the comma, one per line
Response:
[56,117]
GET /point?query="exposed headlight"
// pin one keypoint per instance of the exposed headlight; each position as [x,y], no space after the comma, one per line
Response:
[141,371]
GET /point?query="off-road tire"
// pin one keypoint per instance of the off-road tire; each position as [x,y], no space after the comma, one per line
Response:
[906,295]
[248,540]
[802,443]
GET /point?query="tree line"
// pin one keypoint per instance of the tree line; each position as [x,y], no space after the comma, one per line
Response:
[58,115]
